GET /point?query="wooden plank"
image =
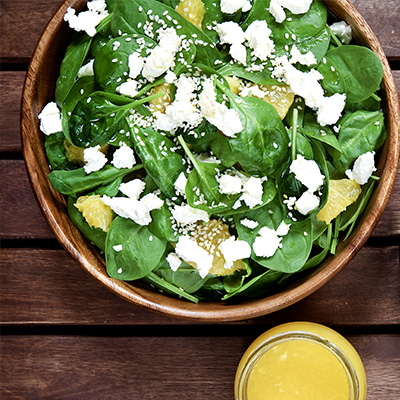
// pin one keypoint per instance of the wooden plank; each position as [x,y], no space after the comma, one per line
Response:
[17,17]
[18,205]
[47,287]
[24,219]
[190,367]
[11,83]
[22,24]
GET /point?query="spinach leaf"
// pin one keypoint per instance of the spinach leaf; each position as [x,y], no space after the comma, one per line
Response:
[353,70]
[138,17]
[141,251]
[111,66]
[258,286]
[350,216]
[159,156]
[235,281]
[262,145]
[55,151]
[323,134]
[296,245]
[360,132]
[98,117]
[164,286]
[185,277]
[96,235]
[77,181]
[221,149]
[161,224]
[73,60]
[81,89]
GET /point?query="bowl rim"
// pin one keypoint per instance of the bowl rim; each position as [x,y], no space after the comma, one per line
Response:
[89,259]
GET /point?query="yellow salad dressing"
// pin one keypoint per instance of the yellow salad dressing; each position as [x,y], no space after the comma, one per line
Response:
[300,361]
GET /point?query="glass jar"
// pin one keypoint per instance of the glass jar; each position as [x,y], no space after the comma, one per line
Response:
[300,360]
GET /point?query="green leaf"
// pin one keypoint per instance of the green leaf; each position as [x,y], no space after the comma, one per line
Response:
[353,70]
[141,251]
[360,132]
[77,181]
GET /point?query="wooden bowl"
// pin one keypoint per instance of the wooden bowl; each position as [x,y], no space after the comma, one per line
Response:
[39,90]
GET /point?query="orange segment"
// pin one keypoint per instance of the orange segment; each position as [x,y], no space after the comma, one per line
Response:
[95,212]
[160,103]
[193,11]
[279,96]
[209,237]
[75,154]
[341,194]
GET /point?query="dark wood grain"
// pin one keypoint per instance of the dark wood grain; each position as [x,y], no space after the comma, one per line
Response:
[143,368]
[47,287]
[11,83]
[24,219]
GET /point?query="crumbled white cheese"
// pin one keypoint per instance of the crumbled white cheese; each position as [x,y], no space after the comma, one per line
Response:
[50,119]
[224,118]
[133,189]
[182,112]
[248,223]
[266,243]
[307,172]
[128,88]
[117,247]
[123,157]
[86,70]
[294,6]
[306,85]
[307,202]
[170,77]
[131,207]
[342,31]
[233,249]
[252,90]
[231,6]
[330,109]
[180,184]
[162,56]
[304,59]
[87,20]
[186,215]
[94,159]
[135,64]
[363,168]
[230,184]
[252,192]
[188,250]
[231,33]
[268,240]
[283,229]
[174,261]
[206,158]
[257,37]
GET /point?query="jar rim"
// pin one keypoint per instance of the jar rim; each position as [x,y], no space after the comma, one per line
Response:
[267,344]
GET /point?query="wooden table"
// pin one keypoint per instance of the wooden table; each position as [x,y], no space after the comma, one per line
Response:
[66,337]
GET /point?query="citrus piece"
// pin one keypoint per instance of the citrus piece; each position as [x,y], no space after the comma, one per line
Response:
[341,194]
[193,11]
[75,154]
[279,96]
[95,212]
[235,84]
[209,237]
[160,103]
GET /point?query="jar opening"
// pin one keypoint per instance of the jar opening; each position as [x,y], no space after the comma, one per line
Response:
[297,363]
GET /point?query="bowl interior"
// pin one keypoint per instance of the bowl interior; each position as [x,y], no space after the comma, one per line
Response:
[39,90]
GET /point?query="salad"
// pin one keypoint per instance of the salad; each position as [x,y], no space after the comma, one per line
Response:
[213,149]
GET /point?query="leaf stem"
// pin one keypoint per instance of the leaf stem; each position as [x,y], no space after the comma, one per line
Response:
[376,97]
[334,37]
[294,132]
